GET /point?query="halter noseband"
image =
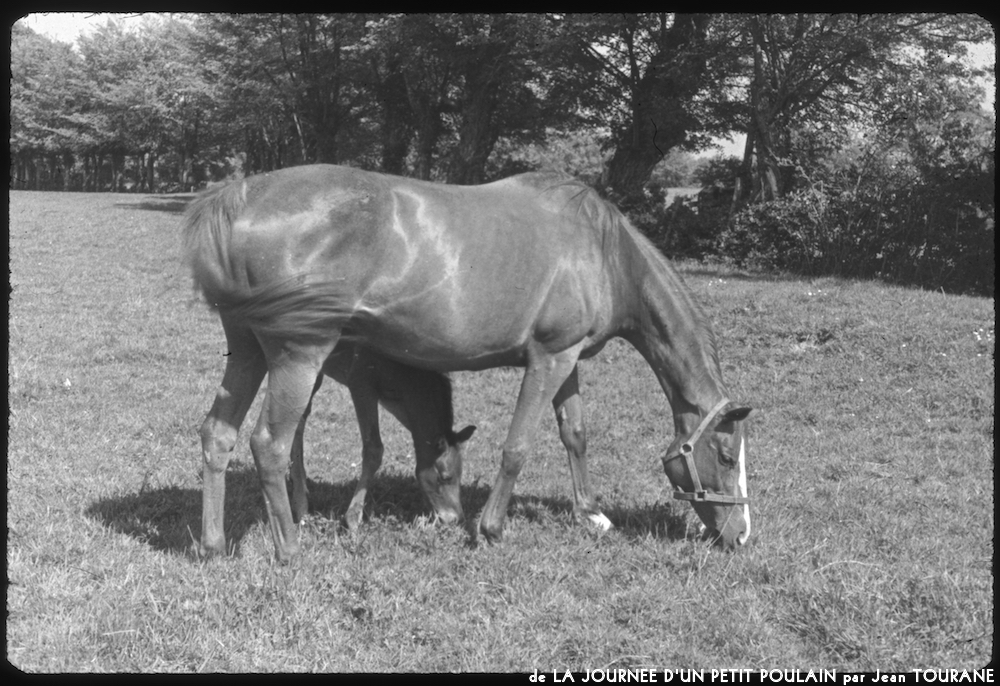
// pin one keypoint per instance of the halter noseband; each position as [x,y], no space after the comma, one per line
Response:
[686,451]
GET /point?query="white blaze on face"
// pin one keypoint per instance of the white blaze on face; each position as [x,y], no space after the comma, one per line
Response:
[743,491]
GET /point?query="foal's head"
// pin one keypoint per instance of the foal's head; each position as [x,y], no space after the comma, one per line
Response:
[439,473]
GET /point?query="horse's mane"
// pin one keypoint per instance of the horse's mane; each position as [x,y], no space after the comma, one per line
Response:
[610,221]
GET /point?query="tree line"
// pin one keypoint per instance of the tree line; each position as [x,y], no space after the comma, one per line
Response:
[829,104]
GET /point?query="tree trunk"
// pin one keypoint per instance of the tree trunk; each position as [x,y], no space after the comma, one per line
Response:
[151,172]
[396,129]
[117,172]
[138,164]
[659,120]
[428,117]
[304,149]
[630,167]
[477,132]
[20,169]
[768,140]
[427,101]
[67,164]
[88,172]
[53,182]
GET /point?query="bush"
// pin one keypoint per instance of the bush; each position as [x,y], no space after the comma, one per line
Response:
[678,230]
[780,234]
[926,235]
[719,171]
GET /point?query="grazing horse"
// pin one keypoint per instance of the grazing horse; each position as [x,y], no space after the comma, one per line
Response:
[535,271]
[420,399]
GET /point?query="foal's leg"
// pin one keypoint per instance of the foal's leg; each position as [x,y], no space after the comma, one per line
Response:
[300,491]
[542,379]
[245,369]
[569,415]
[293,369]
[366,408]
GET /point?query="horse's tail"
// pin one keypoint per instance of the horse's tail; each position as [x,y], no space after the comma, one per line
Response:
[208,230]
[304,307]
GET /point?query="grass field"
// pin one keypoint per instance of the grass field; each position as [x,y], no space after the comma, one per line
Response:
[870,469]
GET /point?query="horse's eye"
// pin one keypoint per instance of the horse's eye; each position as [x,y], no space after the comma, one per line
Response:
[726,454]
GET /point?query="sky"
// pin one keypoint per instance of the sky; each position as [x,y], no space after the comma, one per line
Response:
[66,26]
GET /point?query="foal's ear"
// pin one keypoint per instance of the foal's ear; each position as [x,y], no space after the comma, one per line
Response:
[465,434]
[735,414]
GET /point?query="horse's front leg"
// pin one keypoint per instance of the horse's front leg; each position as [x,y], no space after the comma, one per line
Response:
[569,415]
[543,378]
[245,369]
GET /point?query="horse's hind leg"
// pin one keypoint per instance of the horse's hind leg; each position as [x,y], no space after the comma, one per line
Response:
[292,369]
[569,415]
[366,407]
[245,368]
[300,491]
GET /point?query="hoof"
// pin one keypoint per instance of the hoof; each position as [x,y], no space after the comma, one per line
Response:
[598,521]
[491,534]
[204,551]
[299,512]
[287,556]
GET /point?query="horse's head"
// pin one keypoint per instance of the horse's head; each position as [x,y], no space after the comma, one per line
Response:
[439,473]
[709,469]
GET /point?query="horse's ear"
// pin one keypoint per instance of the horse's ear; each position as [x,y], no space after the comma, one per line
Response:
[736,414]
[465,434]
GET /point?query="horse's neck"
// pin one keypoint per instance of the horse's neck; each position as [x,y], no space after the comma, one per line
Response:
[670,332]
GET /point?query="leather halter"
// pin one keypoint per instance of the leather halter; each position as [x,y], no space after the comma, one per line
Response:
[686,451]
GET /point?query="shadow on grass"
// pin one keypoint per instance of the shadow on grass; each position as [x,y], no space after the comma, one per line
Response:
[169,519]
[667,521]
[389,496]
[174,204]
[664,521]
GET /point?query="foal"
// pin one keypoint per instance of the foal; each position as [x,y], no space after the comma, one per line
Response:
[420,400]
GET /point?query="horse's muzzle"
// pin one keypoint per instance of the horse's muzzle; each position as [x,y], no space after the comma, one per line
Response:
[728,539]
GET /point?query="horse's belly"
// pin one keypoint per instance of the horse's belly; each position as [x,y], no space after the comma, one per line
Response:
[443,346]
